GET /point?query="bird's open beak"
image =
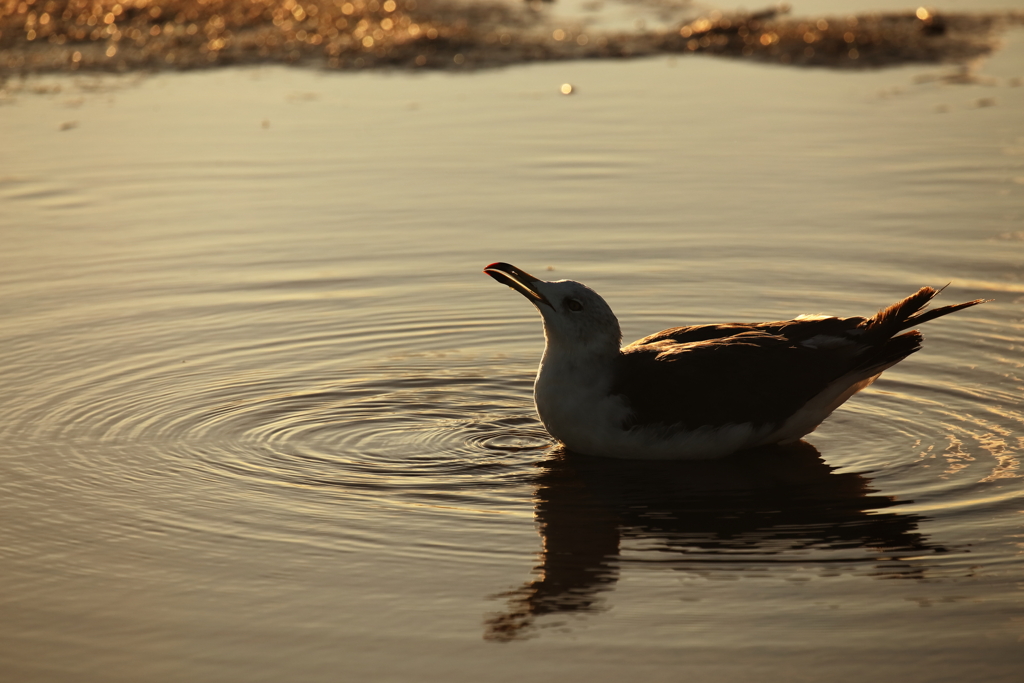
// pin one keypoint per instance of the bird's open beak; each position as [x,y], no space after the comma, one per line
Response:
[517,279]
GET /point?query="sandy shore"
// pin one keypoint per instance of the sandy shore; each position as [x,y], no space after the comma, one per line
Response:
[43,36]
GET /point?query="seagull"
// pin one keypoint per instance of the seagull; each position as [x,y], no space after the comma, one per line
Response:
[708,390]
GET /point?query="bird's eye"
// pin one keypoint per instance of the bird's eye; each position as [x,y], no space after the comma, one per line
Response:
[573,305]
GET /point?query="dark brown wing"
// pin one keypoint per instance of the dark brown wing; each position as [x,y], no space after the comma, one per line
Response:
[885,324]
[794,330]
[761,373]
[753,377]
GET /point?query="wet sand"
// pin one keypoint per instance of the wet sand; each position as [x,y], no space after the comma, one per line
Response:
[41,36]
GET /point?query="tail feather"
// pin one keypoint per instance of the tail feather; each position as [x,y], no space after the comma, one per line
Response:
[892,319]
[925,316]
[908,313]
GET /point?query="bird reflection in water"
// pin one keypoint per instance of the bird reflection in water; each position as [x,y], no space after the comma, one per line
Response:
[753,508]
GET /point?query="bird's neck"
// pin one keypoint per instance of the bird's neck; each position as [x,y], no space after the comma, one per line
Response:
[580,346]
[576,355]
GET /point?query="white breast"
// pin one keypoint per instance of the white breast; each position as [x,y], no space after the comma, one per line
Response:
[575,404]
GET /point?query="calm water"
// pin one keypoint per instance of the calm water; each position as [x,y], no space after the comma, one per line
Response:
[264,418]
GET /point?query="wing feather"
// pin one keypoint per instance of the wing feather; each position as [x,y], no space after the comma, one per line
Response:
[762,373]
[753,377]
[797,330]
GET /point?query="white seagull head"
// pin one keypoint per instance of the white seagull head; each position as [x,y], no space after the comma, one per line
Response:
[576,319]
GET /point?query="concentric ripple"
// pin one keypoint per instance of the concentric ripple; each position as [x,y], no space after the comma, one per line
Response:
[289,456]
[274,438]
[376,431]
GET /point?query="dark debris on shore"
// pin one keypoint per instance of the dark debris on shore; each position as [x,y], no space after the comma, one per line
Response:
[48,36]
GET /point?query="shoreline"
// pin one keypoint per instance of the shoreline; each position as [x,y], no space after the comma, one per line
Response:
[69,36]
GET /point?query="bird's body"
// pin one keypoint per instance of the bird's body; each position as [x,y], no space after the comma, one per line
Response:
[702,391]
